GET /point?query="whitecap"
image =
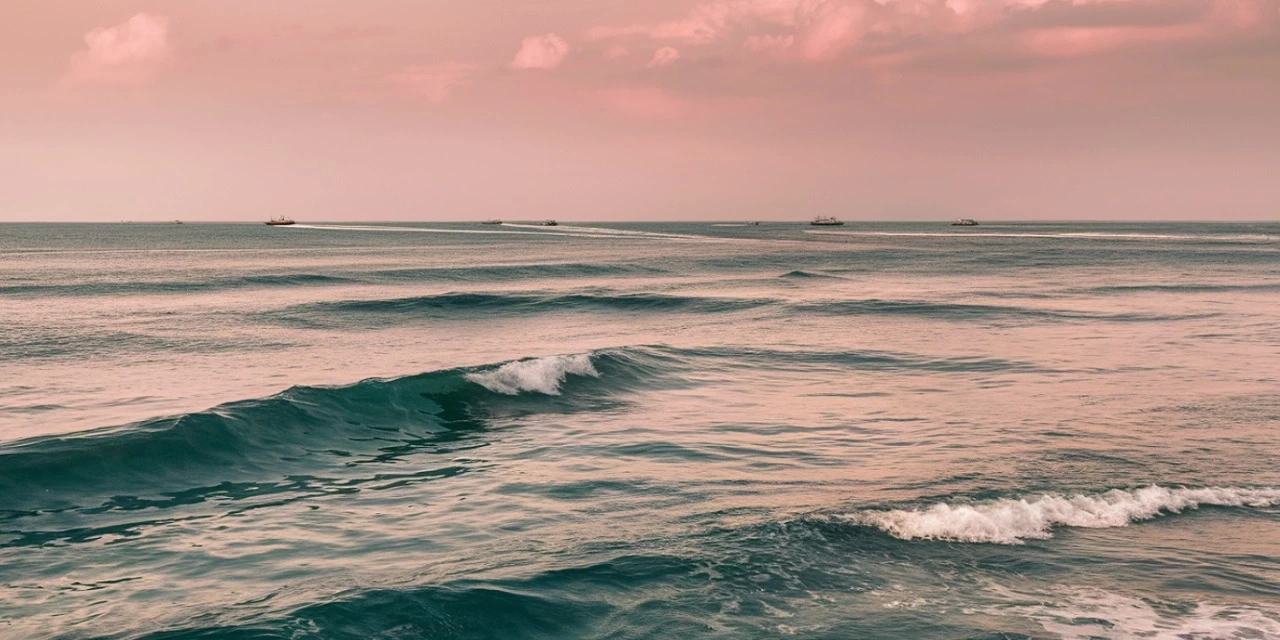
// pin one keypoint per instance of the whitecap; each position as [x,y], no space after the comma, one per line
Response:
[1012,521]
[541,375]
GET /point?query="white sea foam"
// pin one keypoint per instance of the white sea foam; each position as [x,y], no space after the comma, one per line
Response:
[543,375]
[607,232]
[1013,521]
[1098,235]
[491,232]
[1088,614]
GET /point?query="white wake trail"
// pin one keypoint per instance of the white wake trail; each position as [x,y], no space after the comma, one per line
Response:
[535,230]
[1076,235]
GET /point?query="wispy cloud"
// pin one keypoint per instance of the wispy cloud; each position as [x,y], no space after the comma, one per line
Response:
[433,82]
[819,31]
[664,57]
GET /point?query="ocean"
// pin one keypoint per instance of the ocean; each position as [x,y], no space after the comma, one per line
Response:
[879,430]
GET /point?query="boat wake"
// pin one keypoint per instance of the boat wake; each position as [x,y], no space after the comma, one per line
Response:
[534,230]
[1165,237]
[624,233]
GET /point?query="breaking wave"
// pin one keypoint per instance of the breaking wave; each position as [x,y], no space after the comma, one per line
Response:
[543,375]
[1013,521]
[263,445]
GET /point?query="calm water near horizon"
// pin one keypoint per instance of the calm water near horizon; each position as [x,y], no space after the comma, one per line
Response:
[646,430]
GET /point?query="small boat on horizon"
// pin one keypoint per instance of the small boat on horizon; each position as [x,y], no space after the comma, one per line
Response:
[547,223]
[826,221]
[491,221]
[279,222]
[965,222]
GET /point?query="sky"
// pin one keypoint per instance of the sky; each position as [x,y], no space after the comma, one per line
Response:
[399,110]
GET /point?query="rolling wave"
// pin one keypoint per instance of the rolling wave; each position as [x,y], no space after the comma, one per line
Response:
[1181,288]
[170,286]
[808,275]
[518,271]
[1013,521]
[971,311]
[453,304]
[459,303]
[483,273]
[249,446]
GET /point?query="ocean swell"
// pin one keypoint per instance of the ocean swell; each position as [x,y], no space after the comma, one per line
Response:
[459,303]
[1013,521]
[322,433]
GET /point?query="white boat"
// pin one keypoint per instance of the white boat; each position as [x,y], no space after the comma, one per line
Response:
[826,221]
[965,222]
[282,221]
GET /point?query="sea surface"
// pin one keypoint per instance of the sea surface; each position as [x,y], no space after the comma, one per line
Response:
[695,430]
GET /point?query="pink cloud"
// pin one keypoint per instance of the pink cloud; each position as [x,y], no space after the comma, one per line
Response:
[821,31]
[827,27]
[811,30]
[769,43]
[664,57]
[433,83]
[545,52]
[643,102]
[129,53]
[708,22]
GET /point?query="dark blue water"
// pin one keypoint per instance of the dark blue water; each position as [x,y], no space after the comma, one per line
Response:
[640,431]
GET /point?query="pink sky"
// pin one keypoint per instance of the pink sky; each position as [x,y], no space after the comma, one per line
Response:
[611,110]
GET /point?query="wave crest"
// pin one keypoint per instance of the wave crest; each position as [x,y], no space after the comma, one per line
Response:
[1010,521]
[542,375]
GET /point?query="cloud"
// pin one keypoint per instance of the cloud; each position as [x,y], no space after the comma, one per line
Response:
[544,52]
[129,53]
[894,33]
[769,43]
[708,22]
[616,51]
[813,30]
[828,27]
[645,103]
[433,83]
[664,57]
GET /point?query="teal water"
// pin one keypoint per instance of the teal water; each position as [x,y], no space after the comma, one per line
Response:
[640,431]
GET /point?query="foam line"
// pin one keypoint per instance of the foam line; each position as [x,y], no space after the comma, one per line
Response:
[1080,236]
[1012,521]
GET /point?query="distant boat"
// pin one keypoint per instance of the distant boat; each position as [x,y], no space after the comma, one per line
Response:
[965,222]
[547,223]
[177,222]
[826,221]
[279,222]
[753,224]
[491,221]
